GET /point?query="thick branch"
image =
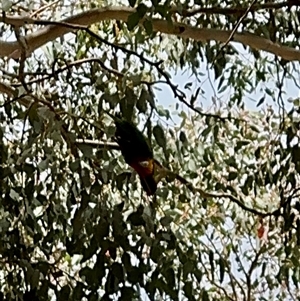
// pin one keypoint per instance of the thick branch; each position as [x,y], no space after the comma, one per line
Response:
[49,33]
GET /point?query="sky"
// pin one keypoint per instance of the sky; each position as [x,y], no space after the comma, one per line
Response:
[166,98]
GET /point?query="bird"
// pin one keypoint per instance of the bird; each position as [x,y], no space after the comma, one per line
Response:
[137,153]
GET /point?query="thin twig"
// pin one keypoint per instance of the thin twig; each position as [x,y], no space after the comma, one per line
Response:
[250,271]
[230,274]
[43,8]
[235,29]
[22,41]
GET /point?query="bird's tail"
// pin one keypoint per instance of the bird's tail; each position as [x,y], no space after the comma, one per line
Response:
[149,184]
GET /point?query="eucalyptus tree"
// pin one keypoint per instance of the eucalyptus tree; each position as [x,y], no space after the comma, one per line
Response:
[213,85]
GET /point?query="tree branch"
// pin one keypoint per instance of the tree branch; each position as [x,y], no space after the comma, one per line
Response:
[58,29]
[73,64]
[98,144]
[8,90]
[250,271]
[69,65]
[236,10]
[232,198]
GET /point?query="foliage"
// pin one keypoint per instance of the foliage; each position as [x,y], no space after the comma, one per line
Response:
[224,224]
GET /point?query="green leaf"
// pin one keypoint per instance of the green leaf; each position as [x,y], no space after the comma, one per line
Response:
[216,132]
[127,103]
[155,2]
[85,273]
[121,179]
[141,103]
[159,135]
[231,162]
[188,290]
[96,188]
[232,175]
[163,112]
[195,96]
[206,131]
[170,277]
[34,118]
[261,101]
[134,275]
[142,10]
[198,274]
[222,269]
[155,253]
[29,189]
[6,5]
[112,284]
[269,92]
[205,296]
[126,261]
[91,249]
[211,261]
[119,207]
[188,86]
[148,27]
[133,21]
[182,137]
[240,144]
[136,219]
[34,280]
[183,198]
[188,267]
[136,79]
[64,293]
[74,166]
[192,165]
[161,9]
[132,2]
[166,221]
[87,150]
[128,293]
[117,270]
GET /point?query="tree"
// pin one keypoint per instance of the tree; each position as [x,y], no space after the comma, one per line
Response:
[224,223]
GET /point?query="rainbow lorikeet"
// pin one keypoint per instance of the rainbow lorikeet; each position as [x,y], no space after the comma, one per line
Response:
[137,153]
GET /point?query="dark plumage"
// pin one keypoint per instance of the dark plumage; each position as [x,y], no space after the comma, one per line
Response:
[137,153]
